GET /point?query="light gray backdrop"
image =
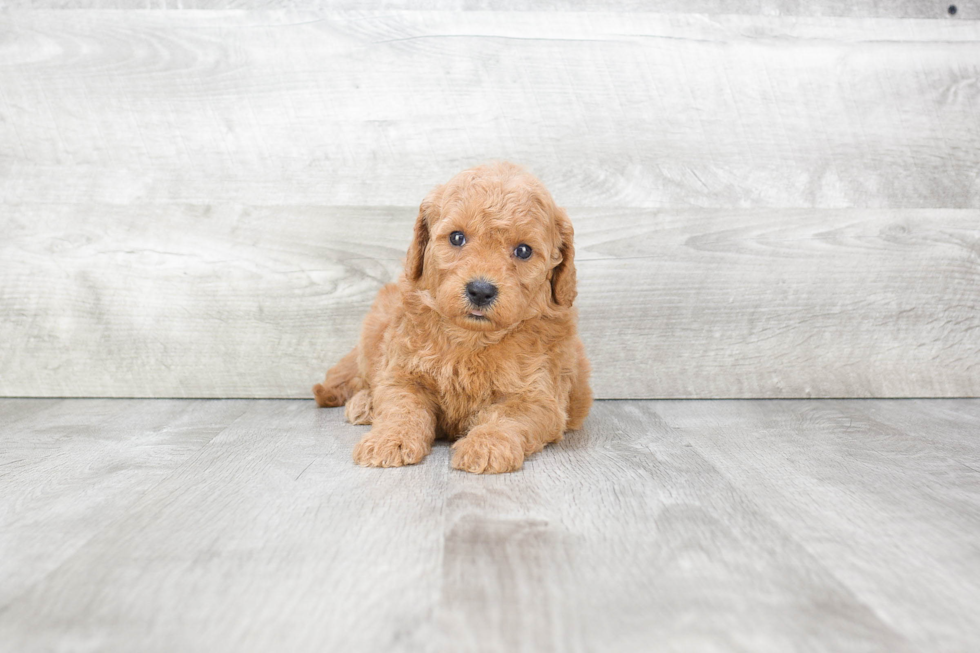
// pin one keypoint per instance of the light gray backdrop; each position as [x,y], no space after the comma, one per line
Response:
[783,201]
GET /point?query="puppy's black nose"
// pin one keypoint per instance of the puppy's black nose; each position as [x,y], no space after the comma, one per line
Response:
[480,293]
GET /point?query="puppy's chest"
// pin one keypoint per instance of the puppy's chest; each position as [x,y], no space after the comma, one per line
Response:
[459,377]
[466,382]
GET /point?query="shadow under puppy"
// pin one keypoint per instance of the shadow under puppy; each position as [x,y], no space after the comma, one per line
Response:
[477,340]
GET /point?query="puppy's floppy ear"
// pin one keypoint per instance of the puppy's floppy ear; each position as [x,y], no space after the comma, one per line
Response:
[415,259]
[563,290]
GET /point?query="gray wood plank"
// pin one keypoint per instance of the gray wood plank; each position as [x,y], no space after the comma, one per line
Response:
[38,434]
[68,480]
[623,536]
[609,108]
[187,119]
[892,518]
[877,8]
[13,411]
[695,525]
[268,538]
[832,304]
[200,300]
[949,427]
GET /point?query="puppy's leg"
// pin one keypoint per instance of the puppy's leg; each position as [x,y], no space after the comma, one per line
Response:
[404,428]
[340,384]
[358,410]
[507,432]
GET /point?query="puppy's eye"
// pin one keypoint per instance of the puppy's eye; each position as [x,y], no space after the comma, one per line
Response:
[523,251]
[457,238]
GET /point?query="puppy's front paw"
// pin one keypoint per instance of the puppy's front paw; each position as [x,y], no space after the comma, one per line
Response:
[385,447]
[488,450]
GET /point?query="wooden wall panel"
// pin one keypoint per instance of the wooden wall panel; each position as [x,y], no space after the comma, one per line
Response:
[186,301]
[843,8]
[610,109]
[203,203]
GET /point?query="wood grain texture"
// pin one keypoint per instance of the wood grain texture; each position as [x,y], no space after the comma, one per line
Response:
[74,468]
[853,8]
[268,538]
[18,410]
[698,525]
[203,203]
[894,490]
[935,425]
[623,536]
[373,108]
[184,300]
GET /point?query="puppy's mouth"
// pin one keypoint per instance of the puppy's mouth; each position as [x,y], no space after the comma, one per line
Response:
[478,316]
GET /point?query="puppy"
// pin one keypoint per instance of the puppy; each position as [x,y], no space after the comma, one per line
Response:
[477,341]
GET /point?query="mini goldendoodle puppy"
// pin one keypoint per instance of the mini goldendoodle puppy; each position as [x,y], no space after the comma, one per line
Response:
[477,340]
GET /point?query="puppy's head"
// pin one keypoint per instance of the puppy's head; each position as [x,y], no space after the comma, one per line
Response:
[491,249]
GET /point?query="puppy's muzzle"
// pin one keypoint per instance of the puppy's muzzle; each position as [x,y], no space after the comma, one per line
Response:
[481,293]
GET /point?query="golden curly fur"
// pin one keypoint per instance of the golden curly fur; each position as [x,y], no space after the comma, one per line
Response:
[505,378]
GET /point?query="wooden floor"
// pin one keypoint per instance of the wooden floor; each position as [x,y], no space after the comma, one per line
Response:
[195,525]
